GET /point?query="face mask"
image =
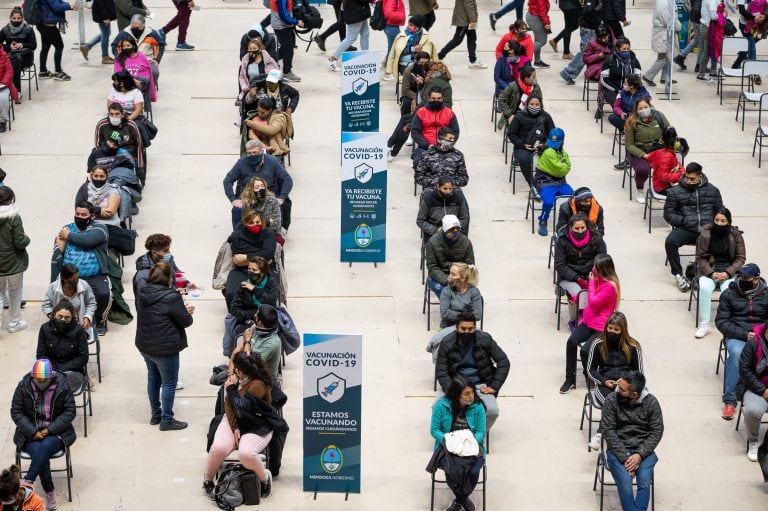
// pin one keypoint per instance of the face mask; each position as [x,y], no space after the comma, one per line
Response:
[624,54]
[108,150]
[644,113]
[466,402]
[254,54]
[15,24]
[136,32]
[128,50]
[513,59]
[452,235]
[42,385]
[115,121]
[255,159]
[82,223]
[272,87]
[60,325]
[612,337]
[98,183]
[720,229]
[263,117]
[254,229]
[534,110]
[746,285]
[623,399]
[579,235]
[167,258]
[521,34]
[465,337]
[445,144]
[434,105]
[584,207]
[256,277]
[445,195]
[261,195]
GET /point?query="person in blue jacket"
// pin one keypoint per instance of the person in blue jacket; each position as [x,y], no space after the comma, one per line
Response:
[52,13]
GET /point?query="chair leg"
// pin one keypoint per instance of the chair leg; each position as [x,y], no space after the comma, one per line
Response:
[432,498]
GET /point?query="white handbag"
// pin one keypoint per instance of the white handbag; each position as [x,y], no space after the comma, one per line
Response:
[461,443]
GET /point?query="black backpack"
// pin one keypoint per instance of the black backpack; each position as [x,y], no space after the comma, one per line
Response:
[377,21]
[32,13]
[308,14]
[236,486]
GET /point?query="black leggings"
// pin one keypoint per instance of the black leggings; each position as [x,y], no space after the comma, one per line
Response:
[287,39]
[50,36]
[18,63]
[458,37]
[339,25]
[571,24]
[580,334]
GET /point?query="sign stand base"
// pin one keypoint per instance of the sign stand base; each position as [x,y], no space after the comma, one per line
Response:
[375,264]
[346,495]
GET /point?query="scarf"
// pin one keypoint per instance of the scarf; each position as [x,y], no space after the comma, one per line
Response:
[44,405]
[17,30]
[524,87]
[413,39]
[593,211]
[579,244]
[96,195]
[260,285]
[276,97]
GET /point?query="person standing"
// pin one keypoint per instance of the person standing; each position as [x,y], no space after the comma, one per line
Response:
[539,22]
[181,20]
[283,23]
[694,22]
[13,258]
[394,18]
[614,16]
[571,12]
[356,15]
[588,24]
[659,43]
[53,17]
[708,14]
[465,21]
[127,9]
[104,13]
[338,26]
[425,9]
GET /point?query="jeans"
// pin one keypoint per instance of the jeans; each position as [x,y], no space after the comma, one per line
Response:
[754,408]
[676,239]
[571,23]
[731,375]
[490,404]
[706,287]
[548,194]
[353,30]
[517,5]
[12,286]
[162,376]
[40,451]
[582,333]
[286,38]
[458,37]
[660,64]
[102,290]
[751,53]
[695,40]
[702,59]
[50,36]
[435,286]
[644,475]
[577,63]
[181,20]
[391,31]
[338,25]
[104,32]
[539,34]
[19,62]
[237,217]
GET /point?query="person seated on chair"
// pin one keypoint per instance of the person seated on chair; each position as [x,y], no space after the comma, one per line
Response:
[255,62]
[613,354]
[582,202]
[632,425]
[62,340]
[261,336]
[518,31]
[743,305]
[137,64]
[105,155]
[753,369]
[442,159]
[460,409]
[104,196]
[720,254]
[117,127]
[414,38]
[413,79]
[268,41]
[259,288]
[642,131]
[125,92]
[256,196]
[427,122]
[596,52]
[16,494]
[689,207]
[43,409]
[551,168]
[515,97]
[271,127]
[148,41]
[509,65]
[272,85]
[460,294]
[667,169]
[616,68]
[249,375]
[159,250]
[603,298]
[69,286]
[251,238]
[473,354]
[19,42]
[527,132]
[447,246]
[437,202]
[632,91]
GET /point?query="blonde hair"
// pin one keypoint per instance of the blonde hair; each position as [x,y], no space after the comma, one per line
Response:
[248,196]
[467,272]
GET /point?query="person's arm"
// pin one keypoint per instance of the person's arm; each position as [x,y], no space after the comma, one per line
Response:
[179,313]
[48,300]
[270,293]
[702,257]
[113,204]
[230,180]
[293,96]
[502,366]
[241,307]
[656,426]
[24,424]
[513,133]
[446,312]
[601,221]
[477,302]
[672,213]
[741,255]
[442,369]
[591,54]
[436,424]
[564,272]
[617,106]
[267,250]
[59,6]
[42,346]
[90,302]
[726,322]
[79,362]
[282,12]
[64,420]
[454,125]
[608,75]
[610,434]
[275,216]
[463,213]
[498,69]
[30,42]
[91,238]
[469,254]
[422,220]
[593,364]
[564,215]
[284,182]
[20,239]
[416,135]
[634,148]
[556,164]
[434,269]
[481,427]
[747,364]
[422,172]
[509,100]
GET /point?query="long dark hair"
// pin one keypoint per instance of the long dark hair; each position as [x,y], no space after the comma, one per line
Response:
[457,386]
[253,366]
[124,54]
[626,341]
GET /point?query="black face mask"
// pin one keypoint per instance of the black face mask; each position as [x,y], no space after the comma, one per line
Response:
[612,337]
[434,105]
[60,325]
[583,208]
[464,337]
[136,32]
[256,277]
[623,399]
[130,50]
[110,151]
[261,195]
[444,195]
[719,230]
[98,183]
[579,235]
[16,24]
[746,285]
[82,223]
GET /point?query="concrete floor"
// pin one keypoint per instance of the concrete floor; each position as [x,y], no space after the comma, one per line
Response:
[539,458]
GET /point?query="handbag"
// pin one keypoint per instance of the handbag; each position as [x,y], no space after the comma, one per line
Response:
[377,21]
[461,443]
[730,28]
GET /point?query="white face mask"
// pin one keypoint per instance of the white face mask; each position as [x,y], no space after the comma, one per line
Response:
[115,121]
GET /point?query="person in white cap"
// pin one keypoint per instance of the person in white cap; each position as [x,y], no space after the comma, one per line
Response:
[447,246]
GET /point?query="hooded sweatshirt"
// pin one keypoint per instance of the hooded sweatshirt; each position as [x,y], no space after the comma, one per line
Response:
[13,242]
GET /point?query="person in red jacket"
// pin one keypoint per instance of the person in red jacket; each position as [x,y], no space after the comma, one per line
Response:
[8,90]
[538,19]
[667,169]
[518,31]
[394,17]
[428,120]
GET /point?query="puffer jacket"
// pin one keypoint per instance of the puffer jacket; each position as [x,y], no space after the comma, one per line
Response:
[53,11]
[26,37]
[614,10]
[750,356]
[625,102]
[433,207]
[632,428]
[529,129]
[435,163]
[162,318]
[568,209]
[612,73]
[705,261]
[441,254]
[509,99]
[738,312]
[573,263]
[464,13]
[667,169]
[593,58]
[243,306]
[691,207]
[540,8]
[31,501]
[394,12]
[252,245]
[24,411]
[615,365]
[426,123]
[639,138]
[67,350]
[491,361]
[13,242]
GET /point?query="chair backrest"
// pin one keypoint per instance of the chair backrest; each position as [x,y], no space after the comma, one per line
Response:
[755,67]
[763,106]
[734,45]
[559,201]
[654,194]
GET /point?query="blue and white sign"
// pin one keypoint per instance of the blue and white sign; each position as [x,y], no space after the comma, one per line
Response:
[333,375]
[363,197]
[360,90]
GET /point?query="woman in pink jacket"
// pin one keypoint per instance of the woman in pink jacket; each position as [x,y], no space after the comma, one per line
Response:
[595,53]
[137,64]
[255,62]
[603,296]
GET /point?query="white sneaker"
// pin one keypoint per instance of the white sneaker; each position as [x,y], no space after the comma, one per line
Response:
[595,442]
[389,154]
[333,64]
[752,450]
[682,283]
[409,142]
[387,77]
[17,327]
[477,65]
[639,196]
[703,330]
[179,385]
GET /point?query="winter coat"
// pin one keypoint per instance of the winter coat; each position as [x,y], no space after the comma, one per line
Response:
[31,502]
[572,263]
[278,180]
[510,98]
[625,102]
[506,72]
[442,420]
[752,353]
[286,97]
[26,37]
[464,13]
[667,169]
[420,7]
[540,8]
[24,412]
[426,123]
[441,255]
[6,75]
[127,135]
[613,367]
[267,64]
[551,168]
[126,9]
[255,387]
[67,350]
[273,133]
[491,362]
[632,428]
[162,319]
[691,207]
[268,40]
[612,73]
[94,238]
[738,312]
[593,58]
[103,10]
[705,261]
[149,43]
[252,245]
[394,12]
[568,209]
[244,304]
[695,15]
[602,301]
[53,12]
[614,10]
[433,207]
[435,163]
[527,129]
[355,11]
[139,67]
[13,242]
[526,42]
[84,300]
[400,44]
[661,15]
[639,139]
[452,303]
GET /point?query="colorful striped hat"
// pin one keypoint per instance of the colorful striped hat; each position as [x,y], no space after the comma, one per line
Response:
[42,369]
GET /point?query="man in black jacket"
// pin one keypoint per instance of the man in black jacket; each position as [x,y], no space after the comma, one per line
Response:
[687,209]
[476,356]
[753,367]
[632,427]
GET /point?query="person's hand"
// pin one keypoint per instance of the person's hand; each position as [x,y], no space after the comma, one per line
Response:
[74,6]
[237,203]
[472,26]
[37,436]
[548,29]
[247,335]
[417,48]
[239,259]
[583,284]
[419,79]
[632,463]
[237,437]
[280,201]
[626,23]
[64,233]
[610,383]
[247,285]
[85,323]
[751,336]
[529,147]
[413,105]
[765,394]
[624,117]
[191,4]
[191,309]
[435,7]
[45,432]
[106,22]
[487,390]
[147,13]
[591,276]
[289,110]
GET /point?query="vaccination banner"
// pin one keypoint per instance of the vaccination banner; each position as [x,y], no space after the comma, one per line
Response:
[333,376]
[363,197]
[360,90]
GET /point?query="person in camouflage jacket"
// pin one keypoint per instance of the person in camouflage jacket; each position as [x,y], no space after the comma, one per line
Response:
[442,159]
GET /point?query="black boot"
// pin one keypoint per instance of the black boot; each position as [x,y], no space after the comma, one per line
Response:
[569,384]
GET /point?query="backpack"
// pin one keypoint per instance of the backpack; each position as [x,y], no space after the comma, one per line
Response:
[377,21]
[309,15]
[287,331]
[236,486]
[32,13]
[730,29]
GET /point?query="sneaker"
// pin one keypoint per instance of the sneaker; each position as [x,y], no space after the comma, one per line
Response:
[455,506]
[752,450]
[479,65]
[208,489]
[409,142]
[568,385]
[101,328]
[640,196]
[536,195]
[541,64]
[62,76]
[492,19]
[567,56]
[266,484]
[172,425]
[50,496]
[543,228]
[45,74]
[595,442]
[84,49]
[387,77]
[23,302]
[184,47]
[333,64]
[154,420]
[704,78]
[389,154]
[179,385]
[703,330]
[663,81]
[570,82]
[621,166]
[320,42]
[107,60]
[468,505]
[290,77]
[682,283]
[3,127]
[729,410]
[649,82]
[680,61]
[17,327]
[553,44]
[757,80]
[352,48]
